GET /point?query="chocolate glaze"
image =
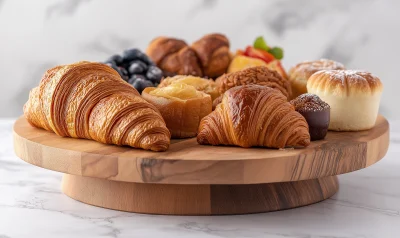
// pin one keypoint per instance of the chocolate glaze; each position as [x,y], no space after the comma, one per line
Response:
[316,112]
[318,122]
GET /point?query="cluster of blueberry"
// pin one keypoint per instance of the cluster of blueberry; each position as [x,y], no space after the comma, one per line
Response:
[136,68]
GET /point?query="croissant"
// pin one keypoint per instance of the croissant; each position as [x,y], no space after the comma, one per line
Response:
[254,115]
[174,56]
[90,100]
[213,52]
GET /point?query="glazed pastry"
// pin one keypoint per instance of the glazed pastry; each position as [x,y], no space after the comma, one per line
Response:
[201,84]
[299,74]
[259,75]
[90,100]
[214,55]
[316,112]
[254,115]
[181,106]
[353,96]
[174,56]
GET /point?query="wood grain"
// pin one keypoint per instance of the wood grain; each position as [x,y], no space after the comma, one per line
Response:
[198,199]
[187,162]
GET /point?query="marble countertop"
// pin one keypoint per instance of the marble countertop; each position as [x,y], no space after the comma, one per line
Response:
[32,205]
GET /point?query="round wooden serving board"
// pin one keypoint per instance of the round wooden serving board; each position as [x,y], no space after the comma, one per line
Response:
[194,179]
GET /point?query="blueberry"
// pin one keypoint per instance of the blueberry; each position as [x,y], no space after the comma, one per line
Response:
[147,60]
[131,54]
[141,84]
[137,67]
[116,68]
[110,64]
[134,77]
[154,74]
[123,71]
[136,54]
[117,59]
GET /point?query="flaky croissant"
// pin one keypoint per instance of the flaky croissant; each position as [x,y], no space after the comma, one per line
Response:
[209,56]
[174,56]
[213,52]
[90,100]
[254,115]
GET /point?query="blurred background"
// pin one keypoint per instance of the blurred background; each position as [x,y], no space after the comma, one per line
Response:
[37,35]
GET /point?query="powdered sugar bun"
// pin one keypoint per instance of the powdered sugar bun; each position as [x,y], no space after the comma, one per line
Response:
[353,95]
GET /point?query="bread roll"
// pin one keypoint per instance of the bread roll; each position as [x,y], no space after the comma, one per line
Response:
[299,74]
[353,96]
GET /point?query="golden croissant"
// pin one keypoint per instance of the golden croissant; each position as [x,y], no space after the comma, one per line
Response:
[254,115]
[90,100]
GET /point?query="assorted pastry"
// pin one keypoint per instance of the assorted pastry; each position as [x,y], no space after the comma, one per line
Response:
[201,84]
[316,112]
[208,56]
[143,100]
[300,73]
[181,106]
[260,75]
[353,96]
[254,115]
[91,100]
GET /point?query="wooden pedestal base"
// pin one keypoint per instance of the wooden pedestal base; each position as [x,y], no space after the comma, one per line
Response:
[197,199]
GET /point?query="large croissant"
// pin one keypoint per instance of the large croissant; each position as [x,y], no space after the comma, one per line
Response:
[254,115]
[90,100]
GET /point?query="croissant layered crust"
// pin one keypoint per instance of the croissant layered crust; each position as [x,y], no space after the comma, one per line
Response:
[254,115]
[209,56]
[174,56]
[213,52]
[90,100]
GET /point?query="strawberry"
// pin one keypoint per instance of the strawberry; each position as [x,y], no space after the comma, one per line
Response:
[259,54]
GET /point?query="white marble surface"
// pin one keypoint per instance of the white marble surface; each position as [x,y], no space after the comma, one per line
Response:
[36,35]
[31,205]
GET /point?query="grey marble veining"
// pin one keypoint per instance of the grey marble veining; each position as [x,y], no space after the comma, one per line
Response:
[36,35]
[32,205]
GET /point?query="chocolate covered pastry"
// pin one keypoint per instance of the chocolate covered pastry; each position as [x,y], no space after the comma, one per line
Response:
[316,112]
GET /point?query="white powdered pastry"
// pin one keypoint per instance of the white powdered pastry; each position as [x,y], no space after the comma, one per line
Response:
[353,96]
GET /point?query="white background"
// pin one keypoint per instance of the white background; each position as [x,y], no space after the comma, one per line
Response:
[36,35]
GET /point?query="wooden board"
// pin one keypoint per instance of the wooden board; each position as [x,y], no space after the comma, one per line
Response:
[187,162]
[174,199]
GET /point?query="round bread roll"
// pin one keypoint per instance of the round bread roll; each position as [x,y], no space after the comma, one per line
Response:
[353,96]
[299,74]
